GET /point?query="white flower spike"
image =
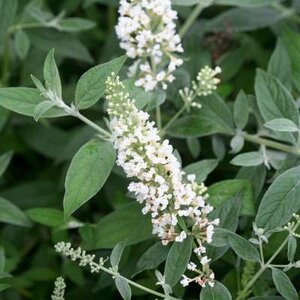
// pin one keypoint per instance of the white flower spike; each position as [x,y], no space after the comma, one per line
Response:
[147,31]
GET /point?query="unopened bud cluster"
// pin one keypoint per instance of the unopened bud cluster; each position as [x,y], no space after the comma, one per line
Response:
[205,84]
[159,183]
[79,254]
[59,289]
[147,32]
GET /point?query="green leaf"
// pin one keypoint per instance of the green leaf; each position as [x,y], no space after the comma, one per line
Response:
[243,248]
[223,191]
[126,223]
[116,253]
[281,124]
[177,260]
[218,292]
[184,2]
[281,200]
[123,287]
[241,110]
[87,173]
[51,75]
[42,108]
[65,44]
[237,143]
[194,146]
[248,159]
[76,24]
[292,247]
[24,100]
[8,11]
[11,214]
[228,213]
[244,19]
[91,85]
[22,44]
[275,101]
[2,259]
[284,285]
[280,65]
[5,161]
[291,40]
[46,216]
[152,258]
[255,175]
[201,169]
[246,3]
[213,117]
[4,116]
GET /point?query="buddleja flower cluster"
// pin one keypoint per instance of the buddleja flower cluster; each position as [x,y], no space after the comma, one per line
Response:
[59,289]
[160,184]
[147,32]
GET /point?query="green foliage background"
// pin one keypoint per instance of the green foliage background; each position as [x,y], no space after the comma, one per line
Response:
[240,36]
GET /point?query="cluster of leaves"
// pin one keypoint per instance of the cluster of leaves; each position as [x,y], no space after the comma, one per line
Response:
[244,143]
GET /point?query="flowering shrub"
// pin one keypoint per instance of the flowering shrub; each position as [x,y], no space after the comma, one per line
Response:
[170,172]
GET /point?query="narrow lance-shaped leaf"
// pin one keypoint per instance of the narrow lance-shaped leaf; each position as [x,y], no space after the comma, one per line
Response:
[152,258]
[51,75]
[42,108]
[87,173]
[281,124]
[24,100]
[248,159]
[281,200]
[123,287]
[91,85]
[218,292]
[116,253]
[4,162]
[177,261]
[11,214]
[284,285]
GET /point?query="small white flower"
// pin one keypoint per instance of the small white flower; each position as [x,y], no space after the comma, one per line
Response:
[185,281]
[191,266]
[205,260]
[153,44]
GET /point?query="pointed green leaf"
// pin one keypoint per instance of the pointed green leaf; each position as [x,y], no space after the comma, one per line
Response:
[91,85]
[24,100]
[281,124]
[241,110]
[281,200]
[284,285]
[123,287]
[51,75]
[218,292]
[4,161]
[22,44]
[11,214]
[248,159]
[116,253]
[152,258]
[87,173]
[177,260]
[42,108]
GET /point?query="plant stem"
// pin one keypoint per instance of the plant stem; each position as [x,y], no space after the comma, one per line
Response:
[193,16]
[158,117]
[139,286]
[175,117]
[265,266]
[17,27]
[275,145]
[99,129]
[288,12]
